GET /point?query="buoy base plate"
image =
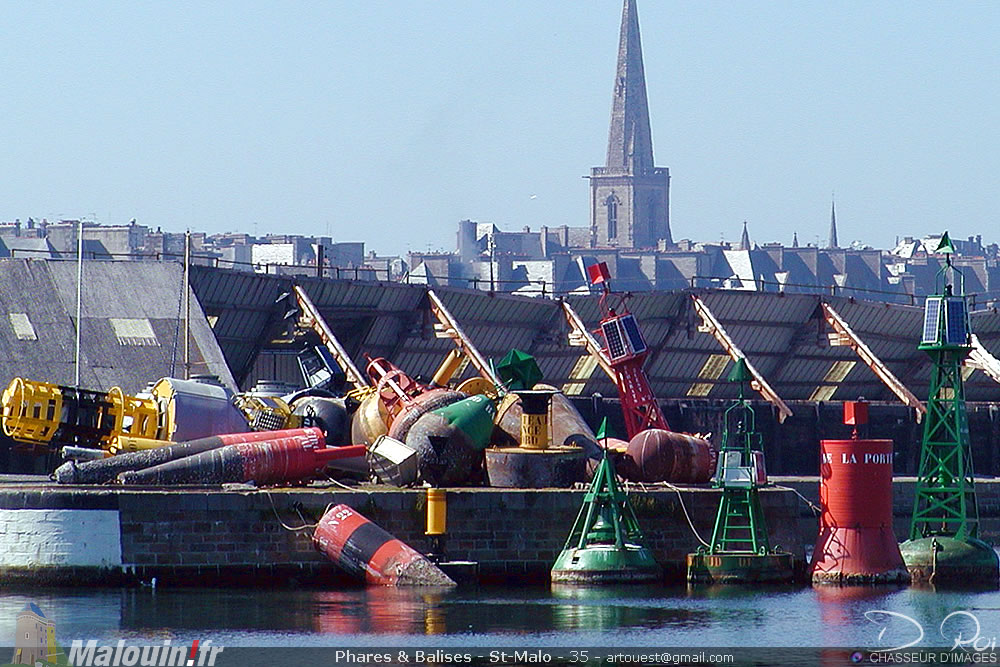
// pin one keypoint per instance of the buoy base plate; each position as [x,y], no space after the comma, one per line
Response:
[606,564]
[739,568]
[463,572]
[516,467]
[946,560]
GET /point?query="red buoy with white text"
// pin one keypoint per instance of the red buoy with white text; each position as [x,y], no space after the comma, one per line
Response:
[856,543]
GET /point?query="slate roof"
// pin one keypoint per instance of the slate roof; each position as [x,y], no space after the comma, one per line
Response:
[115,294]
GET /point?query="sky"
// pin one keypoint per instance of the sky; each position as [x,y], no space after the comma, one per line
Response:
[388,121]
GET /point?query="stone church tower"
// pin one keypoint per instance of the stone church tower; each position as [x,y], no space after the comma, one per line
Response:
[630,198]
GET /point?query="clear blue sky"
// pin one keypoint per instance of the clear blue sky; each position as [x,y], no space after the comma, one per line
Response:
[389,121]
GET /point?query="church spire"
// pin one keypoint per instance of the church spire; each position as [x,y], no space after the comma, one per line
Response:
[630,144]
[833,224]
[745,239]
[629,196]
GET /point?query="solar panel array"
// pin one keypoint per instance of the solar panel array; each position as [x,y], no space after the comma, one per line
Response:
[932,309]
[613,336]
[956,322]
[634,335]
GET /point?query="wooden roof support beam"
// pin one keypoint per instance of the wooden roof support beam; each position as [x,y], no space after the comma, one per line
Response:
[846,336]
[711,325]
[312,318]
[983,359]
[448,327]
[580,336]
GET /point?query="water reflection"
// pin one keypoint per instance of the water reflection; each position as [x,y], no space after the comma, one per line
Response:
[611,607]
[563,615]
[735,604]
[844,607]
[382,610]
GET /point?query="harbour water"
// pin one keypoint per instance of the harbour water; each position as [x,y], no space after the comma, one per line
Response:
[522,617]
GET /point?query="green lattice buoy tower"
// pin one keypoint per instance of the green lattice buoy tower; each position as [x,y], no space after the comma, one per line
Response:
[605,545]
[740,550]
[944,544]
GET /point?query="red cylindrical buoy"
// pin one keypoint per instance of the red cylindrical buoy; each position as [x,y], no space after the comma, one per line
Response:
[660,455]
[281,459]
[365,551]
[856,542]
[105,470]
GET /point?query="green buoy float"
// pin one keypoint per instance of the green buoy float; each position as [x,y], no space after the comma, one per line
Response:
[944,545]
[606,545]
[740,551]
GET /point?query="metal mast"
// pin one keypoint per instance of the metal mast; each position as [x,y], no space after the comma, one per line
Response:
[945,503]
[739,524]
[626,351]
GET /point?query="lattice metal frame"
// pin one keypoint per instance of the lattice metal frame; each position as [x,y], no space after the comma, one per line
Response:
[945,502]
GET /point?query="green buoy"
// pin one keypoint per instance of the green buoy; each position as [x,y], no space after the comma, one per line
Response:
[740,551]
[944,545]
[606,545]
[518,370]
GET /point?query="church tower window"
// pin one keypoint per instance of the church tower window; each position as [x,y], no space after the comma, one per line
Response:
[612,203]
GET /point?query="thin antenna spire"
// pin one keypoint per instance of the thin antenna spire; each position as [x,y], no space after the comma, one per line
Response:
[833,223]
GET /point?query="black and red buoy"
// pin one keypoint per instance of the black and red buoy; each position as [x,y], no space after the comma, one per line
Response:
[105,470]
[290,458]
[367,552]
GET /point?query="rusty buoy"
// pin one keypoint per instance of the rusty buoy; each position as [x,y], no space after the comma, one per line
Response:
[660,455]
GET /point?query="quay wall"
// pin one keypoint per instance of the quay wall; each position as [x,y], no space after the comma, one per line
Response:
[208,536]
[105,535]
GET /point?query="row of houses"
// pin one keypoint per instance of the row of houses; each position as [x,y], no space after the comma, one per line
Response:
[274,253]
[550,262]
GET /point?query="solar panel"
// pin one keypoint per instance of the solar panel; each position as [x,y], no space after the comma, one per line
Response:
[633,333]
[956,323]
[613,336]
[932,308]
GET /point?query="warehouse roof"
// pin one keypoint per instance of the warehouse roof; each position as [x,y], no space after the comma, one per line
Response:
[132,331]
[783,335]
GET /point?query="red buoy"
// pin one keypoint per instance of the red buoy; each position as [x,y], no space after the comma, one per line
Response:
[856,543]
[290,458]
[105,470]
[367,552]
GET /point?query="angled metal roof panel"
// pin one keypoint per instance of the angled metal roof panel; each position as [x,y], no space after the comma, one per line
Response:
[143,291]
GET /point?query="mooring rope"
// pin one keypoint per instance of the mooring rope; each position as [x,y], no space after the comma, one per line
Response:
[815,508]
[687,516]
[680,498]
[294,529]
